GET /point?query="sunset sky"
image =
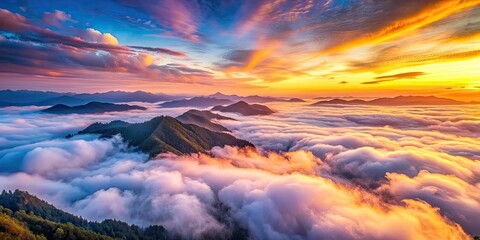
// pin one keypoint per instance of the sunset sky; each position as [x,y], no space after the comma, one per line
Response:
[299,48]
[290,164]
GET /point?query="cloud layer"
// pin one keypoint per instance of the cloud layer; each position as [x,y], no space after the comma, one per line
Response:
[315,174]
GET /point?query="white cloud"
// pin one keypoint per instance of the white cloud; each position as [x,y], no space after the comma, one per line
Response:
[328,177]
[93,35]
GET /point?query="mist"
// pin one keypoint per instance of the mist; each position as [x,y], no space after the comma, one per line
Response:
[316,173]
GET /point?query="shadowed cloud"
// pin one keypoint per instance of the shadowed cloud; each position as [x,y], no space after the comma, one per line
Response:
[388,78]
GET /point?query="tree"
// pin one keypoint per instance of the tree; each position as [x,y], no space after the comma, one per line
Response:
[59,234]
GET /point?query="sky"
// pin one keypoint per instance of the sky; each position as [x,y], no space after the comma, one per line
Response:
[301,48]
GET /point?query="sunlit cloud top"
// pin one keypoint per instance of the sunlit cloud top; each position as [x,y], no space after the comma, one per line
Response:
[295,47]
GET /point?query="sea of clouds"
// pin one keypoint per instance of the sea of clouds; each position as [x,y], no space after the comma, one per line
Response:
[351,172]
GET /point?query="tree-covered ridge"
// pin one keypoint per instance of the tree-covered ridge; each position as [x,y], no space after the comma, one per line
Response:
[203,119]
[24,216]
[29,226]
[166,134]
[11,228]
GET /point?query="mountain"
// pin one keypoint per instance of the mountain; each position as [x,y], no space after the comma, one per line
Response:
[331,97]
[203,119]
[341,101]
[252,98]
[100,126]
[92,107]
[224,96]
[199,102]
[245,109]
[397,101]
[24,216]
[25,96]
[295,100]
[64,99]
[39,98]
[165,134]
[121,96]
[10,104]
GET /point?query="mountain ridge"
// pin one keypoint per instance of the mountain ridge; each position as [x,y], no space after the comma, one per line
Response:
[253,98]
[203,119]
[199,102]
[396,101]
[91,107]
[165,134]
[245,109]
[25,216]
[48,98]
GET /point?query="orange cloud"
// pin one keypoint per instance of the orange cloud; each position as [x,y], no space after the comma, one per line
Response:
[400,27]
[97,37]
[256,58]
[394,77]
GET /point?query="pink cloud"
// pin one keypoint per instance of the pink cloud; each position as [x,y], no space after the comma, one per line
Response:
[180,16]
[12,21]
[56,18]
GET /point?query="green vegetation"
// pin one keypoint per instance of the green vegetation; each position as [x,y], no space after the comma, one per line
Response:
[166,134]
[10,228]
[202,119]
[23,216]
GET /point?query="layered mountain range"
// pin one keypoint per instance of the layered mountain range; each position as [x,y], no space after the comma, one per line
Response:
[39,98]
[396,101]
[91,107]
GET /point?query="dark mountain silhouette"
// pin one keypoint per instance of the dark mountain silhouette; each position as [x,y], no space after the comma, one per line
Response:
[245,109]
[253,98]
[24,216]
[65,100]
[295,100]
[92,107]
[25,96]
[120,96]
[10,104]
[341,101]
[203,119]
[200,102]
[165,134]
[39,98]
[337,97]
[397,101]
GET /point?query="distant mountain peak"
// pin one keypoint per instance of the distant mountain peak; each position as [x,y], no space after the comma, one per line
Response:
[240,103]
[42,98]
[397,101]
[200,102]
[244,108]
[252,98]
[91,107]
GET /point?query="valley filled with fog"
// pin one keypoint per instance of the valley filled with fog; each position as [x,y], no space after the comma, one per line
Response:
[342,172]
